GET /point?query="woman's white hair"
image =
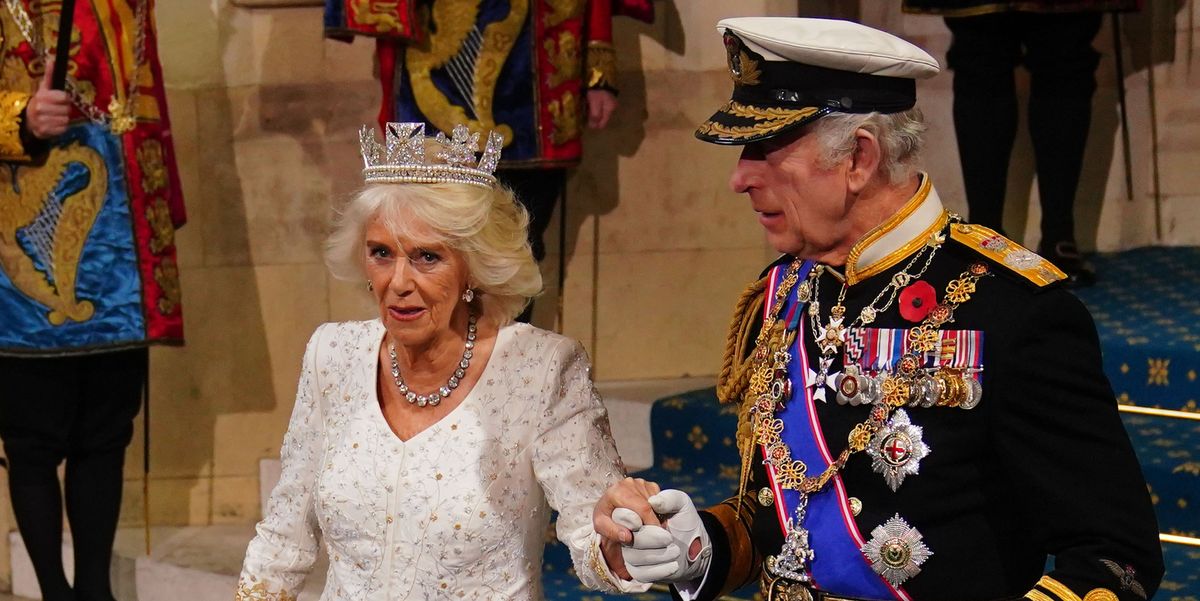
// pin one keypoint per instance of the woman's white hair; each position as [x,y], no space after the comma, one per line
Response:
[899,136]
[488,227]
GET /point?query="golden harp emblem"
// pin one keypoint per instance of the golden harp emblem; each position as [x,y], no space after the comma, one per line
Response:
[39,226]
[472,58]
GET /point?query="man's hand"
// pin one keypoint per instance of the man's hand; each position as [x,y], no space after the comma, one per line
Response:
[48,111]
[678,553]
[628,498]
[601,104]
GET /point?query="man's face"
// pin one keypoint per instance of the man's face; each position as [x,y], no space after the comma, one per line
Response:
[801,204]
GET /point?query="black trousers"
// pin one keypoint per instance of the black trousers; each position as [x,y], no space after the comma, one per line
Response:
[538,190]
[1056,49]
[80,410]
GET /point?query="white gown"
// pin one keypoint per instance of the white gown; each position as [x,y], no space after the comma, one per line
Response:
[457,512]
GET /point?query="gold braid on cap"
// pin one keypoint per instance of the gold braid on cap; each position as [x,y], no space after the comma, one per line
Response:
[401,158]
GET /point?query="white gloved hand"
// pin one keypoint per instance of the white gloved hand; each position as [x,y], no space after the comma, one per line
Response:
[661,554]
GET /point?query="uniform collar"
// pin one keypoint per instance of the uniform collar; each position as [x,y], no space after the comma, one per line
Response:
[900,236]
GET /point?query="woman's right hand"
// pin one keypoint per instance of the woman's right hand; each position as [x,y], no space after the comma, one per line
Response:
[48,112]
[631,494]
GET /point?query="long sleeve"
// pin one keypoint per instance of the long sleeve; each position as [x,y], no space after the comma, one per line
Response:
[601,56]
[285,546]
[1060,440]
[736,560]
[575,460]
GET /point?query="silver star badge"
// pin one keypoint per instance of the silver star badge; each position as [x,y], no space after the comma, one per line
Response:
[896,551]
[896,450]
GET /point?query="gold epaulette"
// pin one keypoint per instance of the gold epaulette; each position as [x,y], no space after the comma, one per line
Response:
[1021,260]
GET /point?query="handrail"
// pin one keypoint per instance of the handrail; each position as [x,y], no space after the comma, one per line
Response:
[1179,540]
[1155,411]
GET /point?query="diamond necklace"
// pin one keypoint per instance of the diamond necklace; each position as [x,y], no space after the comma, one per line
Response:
[120,118]
[434,398]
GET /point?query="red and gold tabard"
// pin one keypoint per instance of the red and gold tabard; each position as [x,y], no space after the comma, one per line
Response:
[88,218]
[519,67]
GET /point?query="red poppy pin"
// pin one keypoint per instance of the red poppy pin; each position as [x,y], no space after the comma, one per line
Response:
[917,300]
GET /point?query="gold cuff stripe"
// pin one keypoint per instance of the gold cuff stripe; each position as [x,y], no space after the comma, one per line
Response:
[1061,590]
[1037,595]
[1100,594]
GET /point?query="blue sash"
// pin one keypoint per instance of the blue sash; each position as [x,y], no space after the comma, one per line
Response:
[838,566]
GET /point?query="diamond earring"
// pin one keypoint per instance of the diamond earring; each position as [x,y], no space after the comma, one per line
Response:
[370,286]
[468,296]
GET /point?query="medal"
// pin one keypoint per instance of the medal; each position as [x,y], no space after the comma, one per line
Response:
[897,450]
[896,551]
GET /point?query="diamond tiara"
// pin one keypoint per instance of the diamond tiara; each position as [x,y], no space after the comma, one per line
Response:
[401,158]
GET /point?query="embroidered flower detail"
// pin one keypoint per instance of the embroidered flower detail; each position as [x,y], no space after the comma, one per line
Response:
[917,300]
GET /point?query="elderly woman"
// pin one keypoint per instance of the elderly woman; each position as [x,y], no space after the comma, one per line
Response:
[428,446]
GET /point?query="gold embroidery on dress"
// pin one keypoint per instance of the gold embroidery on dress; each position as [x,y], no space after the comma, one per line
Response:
[564,57]
[456,27]
[564,113]
[162,231]
[166,274]
[154,171]
[259,592]
[56,229]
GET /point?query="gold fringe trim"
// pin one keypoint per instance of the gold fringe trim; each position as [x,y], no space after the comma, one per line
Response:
[734,377]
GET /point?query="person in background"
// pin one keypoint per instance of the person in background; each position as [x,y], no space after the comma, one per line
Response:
[1053,40]
[89,204]
[537,72]
[922,412]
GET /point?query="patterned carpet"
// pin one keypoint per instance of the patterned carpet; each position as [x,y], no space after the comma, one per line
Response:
[1147,312]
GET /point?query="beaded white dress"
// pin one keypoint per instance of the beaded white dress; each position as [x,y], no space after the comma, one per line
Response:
[460,510]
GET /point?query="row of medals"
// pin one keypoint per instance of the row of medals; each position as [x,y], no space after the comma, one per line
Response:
[941,387]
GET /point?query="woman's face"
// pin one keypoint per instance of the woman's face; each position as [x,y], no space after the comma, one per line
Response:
[419,287]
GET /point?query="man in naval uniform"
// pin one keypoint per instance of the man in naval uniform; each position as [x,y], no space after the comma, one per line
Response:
[922,411]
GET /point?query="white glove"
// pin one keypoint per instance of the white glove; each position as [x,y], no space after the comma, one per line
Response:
[660,555]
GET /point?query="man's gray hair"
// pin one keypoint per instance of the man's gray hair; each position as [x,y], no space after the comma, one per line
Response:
[899,136]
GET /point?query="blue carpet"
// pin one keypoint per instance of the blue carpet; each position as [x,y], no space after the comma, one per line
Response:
[1147,311]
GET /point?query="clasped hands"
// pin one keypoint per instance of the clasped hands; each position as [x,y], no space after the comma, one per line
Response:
[650,535]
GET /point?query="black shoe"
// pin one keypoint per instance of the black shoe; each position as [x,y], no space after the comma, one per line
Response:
[1066,257]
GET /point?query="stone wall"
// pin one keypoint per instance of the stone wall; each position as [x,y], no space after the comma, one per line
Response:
[657,248]
[265,117]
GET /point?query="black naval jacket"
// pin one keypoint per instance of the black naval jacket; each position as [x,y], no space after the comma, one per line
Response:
[1042,466]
